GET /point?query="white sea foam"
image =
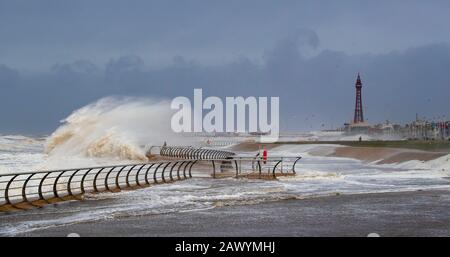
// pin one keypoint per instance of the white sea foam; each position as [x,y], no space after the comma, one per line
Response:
[117,130]
[317,176]
[441,163]
[20,153]
[109,131]
[112,130]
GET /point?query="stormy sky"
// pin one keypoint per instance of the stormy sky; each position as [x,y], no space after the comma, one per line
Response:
[56,56]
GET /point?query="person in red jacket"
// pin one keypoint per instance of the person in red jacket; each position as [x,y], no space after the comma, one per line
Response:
[264,155]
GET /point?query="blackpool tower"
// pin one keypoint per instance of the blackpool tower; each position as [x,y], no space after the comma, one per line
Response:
[358,104]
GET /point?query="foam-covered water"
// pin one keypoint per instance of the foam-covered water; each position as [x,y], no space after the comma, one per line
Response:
[317,176]
[109,131]
[20,153]
[113,131]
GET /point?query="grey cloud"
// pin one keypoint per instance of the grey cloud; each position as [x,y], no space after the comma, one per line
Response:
[124,64]
[36,34]
[8,76]
[78,66]
[314,91]
[307,52]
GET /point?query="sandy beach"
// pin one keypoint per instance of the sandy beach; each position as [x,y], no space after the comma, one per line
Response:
[385,155]
[381,155]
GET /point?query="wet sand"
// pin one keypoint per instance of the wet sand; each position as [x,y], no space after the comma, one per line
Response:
[381,155]
[419,213]
[251,147]
[384,155]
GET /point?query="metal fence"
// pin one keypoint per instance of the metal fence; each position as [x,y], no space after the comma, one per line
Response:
[41,187]
[25,190]
[191,153]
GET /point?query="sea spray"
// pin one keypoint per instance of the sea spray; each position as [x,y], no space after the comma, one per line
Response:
[114,128]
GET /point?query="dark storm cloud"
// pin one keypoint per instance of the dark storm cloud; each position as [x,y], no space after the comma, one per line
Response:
[38,34]
[79,66]
[56,56]
[314,91]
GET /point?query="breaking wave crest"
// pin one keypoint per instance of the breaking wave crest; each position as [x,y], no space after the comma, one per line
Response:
[118,128]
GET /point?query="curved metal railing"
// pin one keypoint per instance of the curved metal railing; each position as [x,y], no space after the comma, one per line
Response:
[37,188]
[191,153]
[275,165]
[41,187]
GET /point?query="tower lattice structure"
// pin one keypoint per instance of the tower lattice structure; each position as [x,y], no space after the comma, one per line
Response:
[358,103]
